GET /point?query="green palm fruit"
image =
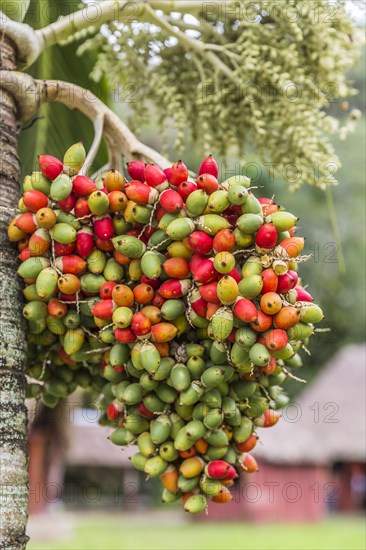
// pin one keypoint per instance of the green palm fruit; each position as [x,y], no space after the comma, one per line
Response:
[194,350]
[113,271]
[155,466]
[150,357]
[46,283]
[259,355]
[166,393]
[153,403]
[185,411]
[177,423]
[56,387]
[73,340]
[168,497]
[61,187]
[252,266]
[213,419]
[38,182]
[168,452]
[132,394]
[138,460]
[250,287]
[195,504]
[35,311]
[249,223]
[172,309]
[74,158]
[191,395]
[218,353]
[215,453]
[179,229]
[212,398]
[32,267]
[251,205]
[187,484]
[221,324]
[147,382]
[56,326]
[63,233]
[284,353]
[146,445]
[151,263]
[180,377]
[283,221]
[242,390]
[257,406]
[71,319]
[236,180]
[213,376]
[160,429]
[218,201]
[166,220]
[130,246]
[200,410]
[159,239]
[211,487]
[237,194]
[163,370]
[311,313]
[119,354]
[243,431]
[217,438]
[121,436]
[246,337]
[212,223]
[136,423]
[196,203]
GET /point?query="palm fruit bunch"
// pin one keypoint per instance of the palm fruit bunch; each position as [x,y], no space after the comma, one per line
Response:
[177,299]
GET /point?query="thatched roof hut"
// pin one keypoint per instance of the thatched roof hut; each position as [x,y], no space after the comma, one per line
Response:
[326,423]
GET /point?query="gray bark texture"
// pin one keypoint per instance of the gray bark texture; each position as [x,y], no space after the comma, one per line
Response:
[13,412]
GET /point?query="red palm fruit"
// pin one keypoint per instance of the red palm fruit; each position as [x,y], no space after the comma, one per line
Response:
[293,246]
[26,222]
[67,204]
[178,173]
[186,188]
[35,200]
[234,273]
[195,261]
[67,297]
[159,213]
[56,308]
[125,335]
[217,469]
[147,232]
[163,348]
[232,473]
[72,263]
[81,208]
[155,177]
[23,243]
[205,272]
[157,301]
[245,310]
[68,283]
[285,282]
[114,410]
[143,293]
[155,283]
[209,166]
[248,444]
[211,310]
[271,303]
[200,242]
[168,173]
[140,324]
[271,366]
[83,186]
[223,496]
[123,295]
[163,332]
[65,358]
[51,167]
[140,193]
[63,249]
[117,201]
[144,411]
[103,228]
[186,496]
[266,236]
[270,281]
[262,323]
[24,254]
[136,170]
[39,242]
[106,246]
[121,258]
[104,309]
[177,268]
[174,288]
[84,242]
[105,291]
[287,317]
[189,453]
[169,479]
[303,295]
[268,206]
[199,306]
[114,181]
[224,241]
[171,201]
[153,313]
[232,334]
[208,183]
[276,339]
[268,419]
[248,464]
[209,293]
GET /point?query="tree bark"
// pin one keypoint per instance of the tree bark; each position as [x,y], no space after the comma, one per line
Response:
[13,412]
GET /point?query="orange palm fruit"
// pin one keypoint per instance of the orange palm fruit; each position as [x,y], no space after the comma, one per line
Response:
[143,293]
[46,218]
[170,479]
[223,497]
[271,303]
[68,283]
[114,181]
[56,308]
[287,317]
[293,246]
[122,295]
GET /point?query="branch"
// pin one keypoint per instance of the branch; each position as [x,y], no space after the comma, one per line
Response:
[119,138]
[119,10]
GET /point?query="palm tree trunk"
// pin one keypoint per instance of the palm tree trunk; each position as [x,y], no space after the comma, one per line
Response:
[13,413]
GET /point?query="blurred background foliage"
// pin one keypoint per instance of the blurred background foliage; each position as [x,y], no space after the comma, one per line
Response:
[335,272]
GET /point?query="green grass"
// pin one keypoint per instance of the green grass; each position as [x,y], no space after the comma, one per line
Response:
[120,533]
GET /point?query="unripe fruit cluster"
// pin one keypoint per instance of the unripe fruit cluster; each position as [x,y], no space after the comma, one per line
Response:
[177,299]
